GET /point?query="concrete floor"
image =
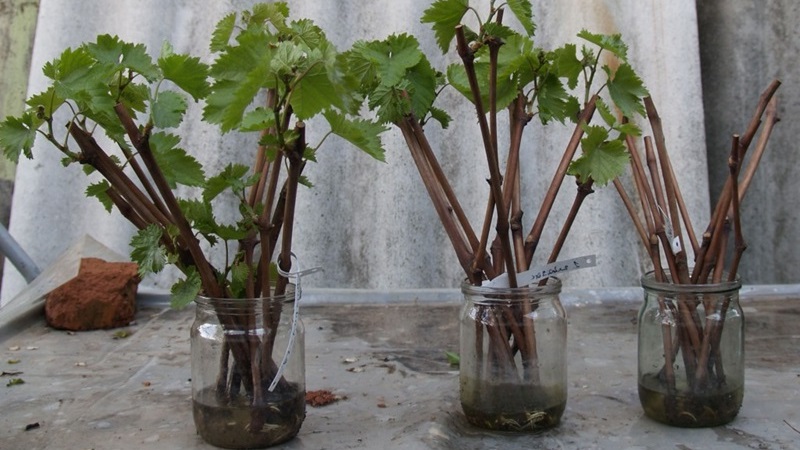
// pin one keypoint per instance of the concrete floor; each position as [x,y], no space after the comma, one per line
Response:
[386,361]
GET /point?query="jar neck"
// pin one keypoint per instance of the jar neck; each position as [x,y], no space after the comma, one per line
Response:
[535,293]
[651,284]
[245,305]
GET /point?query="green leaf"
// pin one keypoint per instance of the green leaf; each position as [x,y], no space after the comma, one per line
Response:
[602,159]
[184,291]
[134,96]
[627,90]
[314,92]
[553,100]
[222,33]
[506,89]
[17,135]
[392,103]
[121,334]
[115,53]
[440,116]
[229,99]
[445,15]
[273,13]
[167,110]
[239,273]
[286,59]
[68,63]
[306,32]
[201,217]
[393,57]
[523,10]
[187,72]
[498,31]
[360,70]
[47,100]
[100,191]
[364,134]
[612,43]
[454,359]
[147,250]
[568,64]
[605,113]
[257,120]
[239,73]
[15,382]
[230,177]
[177,166]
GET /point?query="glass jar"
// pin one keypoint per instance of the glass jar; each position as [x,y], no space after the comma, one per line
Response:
[248,390]
[691,352]
[513,369]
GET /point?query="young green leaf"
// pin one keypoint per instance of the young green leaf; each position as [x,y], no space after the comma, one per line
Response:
[230,177]
[167,109]
[117,54]
[48,101]
[186,290]
[17,135]
[99,190]
[440,116]
[239,274]
[391,102]
[554,101]
[314,92]
[393,57]
[602,159]
[201,217]
[568,64]
[523,10]
[362,133]
[147,250]
[457,77]
[306,32]
[257,120]
[177,166]
[627,90]
[134,96]
[445,15]
[222,33]
[612,43]
[273,13]
[187,72]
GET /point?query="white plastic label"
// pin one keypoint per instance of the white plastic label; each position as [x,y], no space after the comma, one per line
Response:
[531,276]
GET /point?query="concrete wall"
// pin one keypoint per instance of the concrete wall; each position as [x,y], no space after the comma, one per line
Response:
[17,26]
[745,45]
[370,225]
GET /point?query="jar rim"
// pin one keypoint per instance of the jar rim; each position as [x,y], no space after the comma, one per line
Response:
[649,282]
[287,297]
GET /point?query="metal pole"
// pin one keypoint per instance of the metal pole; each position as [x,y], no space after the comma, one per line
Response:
[14,253]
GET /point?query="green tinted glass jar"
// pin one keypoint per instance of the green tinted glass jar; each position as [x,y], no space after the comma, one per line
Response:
[244,394]
[513,367]
[691,352]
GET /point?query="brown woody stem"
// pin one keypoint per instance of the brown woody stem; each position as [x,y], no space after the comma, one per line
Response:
[535,234]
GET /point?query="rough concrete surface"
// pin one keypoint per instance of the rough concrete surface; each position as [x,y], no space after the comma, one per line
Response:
[89,390]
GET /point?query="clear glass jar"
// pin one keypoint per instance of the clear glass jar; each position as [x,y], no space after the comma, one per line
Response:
[238,348]
[691,352]
[513,369]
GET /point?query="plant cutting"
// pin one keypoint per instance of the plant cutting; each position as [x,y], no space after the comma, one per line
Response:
[513,332]
[119,108]
[691,341]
